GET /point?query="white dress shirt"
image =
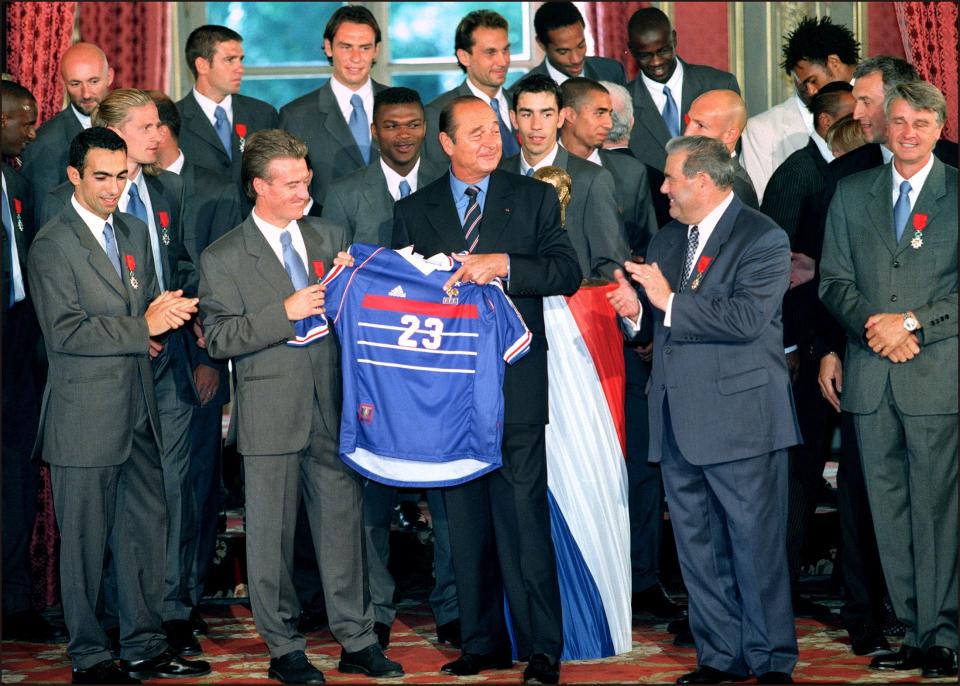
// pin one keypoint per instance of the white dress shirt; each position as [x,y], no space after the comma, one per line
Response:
[547,160]
[272,234]
[209,107]
[675,83]
[84,119]
[916,182]
[595,157]
[394,179]
[343,94]
[501,101]
[556,75]
[177,165]
[94,223]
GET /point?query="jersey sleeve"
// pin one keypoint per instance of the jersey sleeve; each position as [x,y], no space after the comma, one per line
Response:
[514,336]
[336,281]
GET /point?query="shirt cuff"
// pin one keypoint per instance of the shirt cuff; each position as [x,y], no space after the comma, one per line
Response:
[634,326]
[508,271]
[790,349]
[669,310]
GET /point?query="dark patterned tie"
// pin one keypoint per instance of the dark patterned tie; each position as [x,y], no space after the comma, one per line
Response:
[693,242]
[471,220]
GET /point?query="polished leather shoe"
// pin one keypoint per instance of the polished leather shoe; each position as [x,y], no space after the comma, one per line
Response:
[30,626]
[709,675]
[679,626]
[542,669]
[198,625]
[939,662]
[294,668]
[370,661]
[105,672]
[166,665]
[653,600]
[869,641]
[449,633]
[469,664]
[310,621]
[774,678]
[180,637]
[383,634]
[907,657]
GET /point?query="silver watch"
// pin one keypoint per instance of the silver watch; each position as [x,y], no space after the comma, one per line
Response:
[910,322]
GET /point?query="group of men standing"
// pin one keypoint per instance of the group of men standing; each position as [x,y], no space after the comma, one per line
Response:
[148,242]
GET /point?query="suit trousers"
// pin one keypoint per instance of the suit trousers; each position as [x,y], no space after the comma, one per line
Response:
[206,446]
[910,467]
[504,517]
[125,500]
[333,498]
[378,504]
[729,522]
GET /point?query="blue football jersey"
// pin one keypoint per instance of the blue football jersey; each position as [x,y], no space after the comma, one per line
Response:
[422,368]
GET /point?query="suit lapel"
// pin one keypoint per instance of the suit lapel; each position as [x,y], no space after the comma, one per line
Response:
[497,212]
[690,89]
[673,252]
[375,190]
[318,248]
[880,210]
[336,126]
[198,123]
[562,159]
[928,203]
[270,268]
[162,214]
[134,295]
[648,115]
[95,254]
[443,217]
[721,233]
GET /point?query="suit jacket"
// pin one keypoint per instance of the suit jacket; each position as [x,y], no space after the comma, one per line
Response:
[242,290]
[316,119]
[18,190]
[864,271]
[96,340]
[361,203]
[521,217]
[720,364]
[769,138]
[743,186]
[633,199]
[592,221]
[431,146]
[45,159]
[199,140]
[650,134]
[595,68]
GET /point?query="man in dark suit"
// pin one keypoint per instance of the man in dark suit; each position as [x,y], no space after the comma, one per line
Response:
[559,31]
[889,276]
[362,202]
[217,120]
[95,291]
[666,86]
[482,47]
[21,400]
[86,77]
[721,415]
[254,286]
[334,120]
[503,516]
[591,219]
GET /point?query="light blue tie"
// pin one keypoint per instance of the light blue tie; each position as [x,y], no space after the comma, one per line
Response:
[292,262]
[508,141]
[670,116]
[901,210]
[110,246]
[8,228]
[222,125]
[360,127]
[404,188]
[135,205]
[530,171]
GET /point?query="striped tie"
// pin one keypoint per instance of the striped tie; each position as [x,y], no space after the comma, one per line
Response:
[471,220]
[693,242]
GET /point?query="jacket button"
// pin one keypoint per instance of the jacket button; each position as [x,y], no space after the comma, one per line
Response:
[667,350]
[893,298]
[896,263]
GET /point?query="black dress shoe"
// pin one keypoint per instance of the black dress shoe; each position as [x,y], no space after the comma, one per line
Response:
[709,675]
[449,633]
[198,624]
[370,661]
[542,669]
[294,668]
[409,517]
[166,665]
[383,634]
[907,657]
[679,626]
[774,678]
[653,600]
[869,641]
[469,664]
[939,662]
[311,620]
[30,626]
[180,637]
[105,672]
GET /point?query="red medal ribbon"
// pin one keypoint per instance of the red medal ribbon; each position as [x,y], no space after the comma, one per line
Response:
[318,268]
[164,218]
[131,263]
[919,221]
[703,264]
[241,130]
[18,206]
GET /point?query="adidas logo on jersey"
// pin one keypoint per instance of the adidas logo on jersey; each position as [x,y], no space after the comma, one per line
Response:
[397,292]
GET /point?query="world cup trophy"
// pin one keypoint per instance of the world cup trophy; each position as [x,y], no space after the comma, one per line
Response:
[561,181]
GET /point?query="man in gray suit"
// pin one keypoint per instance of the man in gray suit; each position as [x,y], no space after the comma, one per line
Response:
[666,86]
[721,415]
[334,120]
[95,291]
[482,47]
[889,276]
[559,30]
[254,287]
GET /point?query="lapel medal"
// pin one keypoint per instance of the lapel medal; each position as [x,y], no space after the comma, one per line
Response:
[164,226]
[318,270]
[18,207]
[919,224]
[241,130]
[132,266]
[702,264]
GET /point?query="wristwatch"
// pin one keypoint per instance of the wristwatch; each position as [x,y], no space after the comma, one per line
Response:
[910,322]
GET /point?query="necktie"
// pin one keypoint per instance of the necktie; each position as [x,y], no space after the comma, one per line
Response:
[670,116]
[8,248]
[360,127]
[292,262]
[530,171]
[135,205]
[110,246]
[471,220]
[404,188]
[508,141]
[222,125]
[693,242]
[901,210]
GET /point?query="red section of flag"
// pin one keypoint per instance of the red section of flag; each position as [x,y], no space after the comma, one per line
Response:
[385,302]
[131,263]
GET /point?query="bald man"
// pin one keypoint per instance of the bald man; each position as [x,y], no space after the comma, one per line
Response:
[87,77]
[722,115]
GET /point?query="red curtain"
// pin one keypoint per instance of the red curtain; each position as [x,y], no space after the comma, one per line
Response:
[135,36]
[608,24]
[929,31]
[37,34]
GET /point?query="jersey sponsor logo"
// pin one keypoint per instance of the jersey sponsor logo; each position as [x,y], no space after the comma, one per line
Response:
[397,292]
